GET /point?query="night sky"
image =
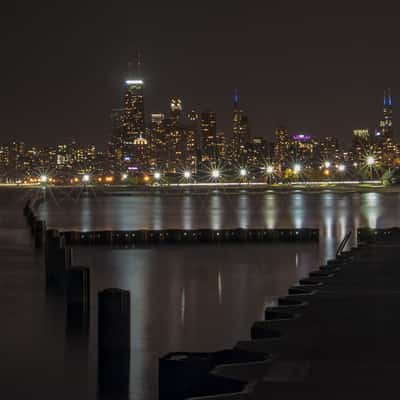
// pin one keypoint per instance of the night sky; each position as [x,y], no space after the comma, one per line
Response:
[317,70]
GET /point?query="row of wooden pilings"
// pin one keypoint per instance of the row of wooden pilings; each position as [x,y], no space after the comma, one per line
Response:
[181,236]
[113,306]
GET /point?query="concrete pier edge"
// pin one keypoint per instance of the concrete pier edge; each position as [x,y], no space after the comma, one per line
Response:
[347,280]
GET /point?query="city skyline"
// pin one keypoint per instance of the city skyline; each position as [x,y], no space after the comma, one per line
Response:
[292,67]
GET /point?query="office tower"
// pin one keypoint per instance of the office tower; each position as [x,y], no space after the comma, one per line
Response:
[209,136]
[116,145]
[134,109]
[282,146]
[329,148]
[240,130]
[304,149]
[176,108]
[158,141]
[257,152]
[386,124]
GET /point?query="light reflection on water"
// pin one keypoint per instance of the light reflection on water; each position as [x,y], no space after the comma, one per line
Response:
[333,213]
[204,298]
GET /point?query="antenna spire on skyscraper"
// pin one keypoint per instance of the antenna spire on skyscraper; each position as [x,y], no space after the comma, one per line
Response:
[139,63]
[389,91]
[236,99]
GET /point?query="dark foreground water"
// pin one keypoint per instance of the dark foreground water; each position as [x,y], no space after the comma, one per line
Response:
[194,298]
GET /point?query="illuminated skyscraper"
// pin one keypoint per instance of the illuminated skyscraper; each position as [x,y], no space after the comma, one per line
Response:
[209,136]
[386,124]
[329,148]
[134,110]
[158,141]
[240,130]
[282,145]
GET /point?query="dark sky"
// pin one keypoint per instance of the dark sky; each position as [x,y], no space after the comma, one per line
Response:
[320,70]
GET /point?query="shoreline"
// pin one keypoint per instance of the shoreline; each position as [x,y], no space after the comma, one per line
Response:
[124,190]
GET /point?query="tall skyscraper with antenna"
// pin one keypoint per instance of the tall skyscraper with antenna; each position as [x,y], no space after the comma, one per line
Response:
[386,124]
[240,130]
[134,104]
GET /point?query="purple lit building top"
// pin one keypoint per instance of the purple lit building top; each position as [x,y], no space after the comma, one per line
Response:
[301,137]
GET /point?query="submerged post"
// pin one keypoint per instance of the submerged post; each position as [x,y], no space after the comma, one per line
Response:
[114,341]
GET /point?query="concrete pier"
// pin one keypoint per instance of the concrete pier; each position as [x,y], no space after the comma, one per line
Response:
[184,375]
[334,336]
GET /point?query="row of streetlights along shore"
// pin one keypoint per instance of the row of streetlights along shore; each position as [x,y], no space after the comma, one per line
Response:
[270,174]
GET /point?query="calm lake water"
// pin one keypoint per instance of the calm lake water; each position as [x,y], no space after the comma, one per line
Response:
[194,297]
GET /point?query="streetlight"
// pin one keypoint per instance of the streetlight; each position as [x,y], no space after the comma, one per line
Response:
[341,167]
[86,178]
[243,172]
[44,179]
[157,176]
[297,168]
[270,170]
[327,164]
[187,174]
[124,177]
[215,174]
[370,161]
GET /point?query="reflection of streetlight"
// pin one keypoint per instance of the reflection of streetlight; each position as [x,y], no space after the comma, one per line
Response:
[157,176]
[296,168]
[370,161]
[215,174]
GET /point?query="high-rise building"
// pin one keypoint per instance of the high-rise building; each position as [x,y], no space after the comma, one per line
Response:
[116,146]
[361,144]
[134,109]
[304,149]
[386,124]
[329,148]
[258,152]
[158,141]
[282,146]
[176,108]
[209,136]
[240,130]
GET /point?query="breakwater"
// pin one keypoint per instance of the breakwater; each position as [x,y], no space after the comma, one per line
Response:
[339,322]
[167,236]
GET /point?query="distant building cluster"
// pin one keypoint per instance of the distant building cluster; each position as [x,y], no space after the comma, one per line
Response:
[181,144]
